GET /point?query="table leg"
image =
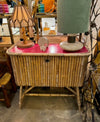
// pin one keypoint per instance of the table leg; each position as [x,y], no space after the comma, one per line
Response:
[78,98]
[20,97]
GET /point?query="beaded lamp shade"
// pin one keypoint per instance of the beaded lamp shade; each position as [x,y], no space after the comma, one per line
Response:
[21,17]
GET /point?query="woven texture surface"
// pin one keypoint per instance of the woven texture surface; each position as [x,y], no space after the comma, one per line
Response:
[53,71]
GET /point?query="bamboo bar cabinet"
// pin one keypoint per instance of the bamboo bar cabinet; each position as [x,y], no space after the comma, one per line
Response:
[52,68]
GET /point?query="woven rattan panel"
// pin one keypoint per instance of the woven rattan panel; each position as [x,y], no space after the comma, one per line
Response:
[52,71]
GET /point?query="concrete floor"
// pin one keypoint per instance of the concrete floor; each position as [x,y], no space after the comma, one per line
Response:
[42,109]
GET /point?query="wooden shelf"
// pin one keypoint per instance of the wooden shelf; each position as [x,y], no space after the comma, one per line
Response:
[6,40]
[5,15]
[46,15]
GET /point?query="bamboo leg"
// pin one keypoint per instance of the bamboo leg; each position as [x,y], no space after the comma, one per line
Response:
[78,98]
[28,89]
[71,90]
[20,97]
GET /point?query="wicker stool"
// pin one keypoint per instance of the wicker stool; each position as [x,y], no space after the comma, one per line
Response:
[3,82]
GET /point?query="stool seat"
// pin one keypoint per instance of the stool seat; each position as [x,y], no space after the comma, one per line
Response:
[3,82]
[5,79]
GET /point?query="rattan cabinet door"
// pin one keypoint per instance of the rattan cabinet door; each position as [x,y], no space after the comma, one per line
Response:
[51,71]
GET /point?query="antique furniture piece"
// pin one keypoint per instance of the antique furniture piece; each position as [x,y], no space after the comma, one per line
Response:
[52,68]
[3,82]
[73,18]
[22,19]
[5,66]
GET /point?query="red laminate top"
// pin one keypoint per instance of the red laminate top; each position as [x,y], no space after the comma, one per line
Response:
[52,48]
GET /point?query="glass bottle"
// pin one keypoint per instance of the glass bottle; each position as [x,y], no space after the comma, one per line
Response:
[46,29]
